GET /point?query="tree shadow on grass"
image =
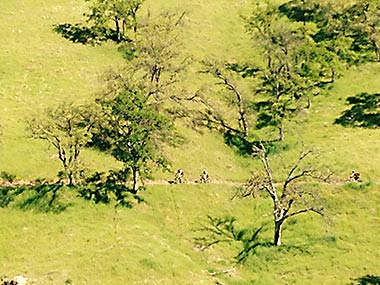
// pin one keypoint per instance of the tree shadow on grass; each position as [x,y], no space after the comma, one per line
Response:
[364,112]
[103,189]
[78,33]
[223,230]
[42,197]
[246,147]
[366,280]
[8,195]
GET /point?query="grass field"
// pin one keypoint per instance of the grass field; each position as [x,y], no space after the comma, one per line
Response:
[153,243]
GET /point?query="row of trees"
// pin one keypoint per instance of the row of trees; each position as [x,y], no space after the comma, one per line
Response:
[131,117]
[304,45]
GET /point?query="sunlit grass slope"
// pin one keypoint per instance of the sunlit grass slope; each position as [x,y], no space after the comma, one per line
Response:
[153,243]
[39,69]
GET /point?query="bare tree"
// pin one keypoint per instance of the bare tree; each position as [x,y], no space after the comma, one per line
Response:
[291,197]
[224,78]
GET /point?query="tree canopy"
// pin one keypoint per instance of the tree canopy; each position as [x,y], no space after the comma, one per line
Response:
[134,133]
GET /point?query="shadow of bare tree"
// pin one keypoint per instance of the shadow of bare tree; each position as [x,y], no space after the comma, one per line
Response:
[220,230]
[364,112]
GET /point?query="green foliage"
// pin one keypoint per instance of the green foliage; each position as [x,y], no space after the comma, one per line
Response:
[8,177]
[357,186]
[350,30]
[133,131]
[364,27]
[294,69]
[112,20]
[155,59]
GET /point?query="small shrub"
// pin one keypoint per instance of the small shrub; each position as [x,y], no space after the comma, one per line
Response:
[9,177]
[357,186]
[148,263]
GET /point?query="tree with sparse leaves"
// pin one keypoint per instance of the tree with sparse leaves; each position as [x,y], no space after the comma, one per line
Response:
[155,59]
[67,128]
[295,195]
[210,111]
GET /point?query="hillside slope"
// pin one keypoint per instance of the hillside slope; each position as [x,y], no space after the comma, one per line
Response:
[153,243]
[41,69]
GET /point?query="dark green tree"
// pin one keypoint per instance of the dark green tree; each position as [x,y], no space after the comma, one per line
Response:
[349,29]
[114,17]
[294,68]
[134,133]
[364,16]
[136,104]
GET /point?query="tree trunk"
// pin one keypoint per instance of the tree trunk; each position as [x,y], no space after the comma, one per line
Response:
[377,50]
[135,174]
[117,26]
[277,232]
[332,80]
[70,176]
[281,132]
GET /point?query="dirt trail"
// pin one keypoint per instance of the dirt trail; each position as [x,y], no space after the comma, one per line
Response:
[171,182]
[19,183]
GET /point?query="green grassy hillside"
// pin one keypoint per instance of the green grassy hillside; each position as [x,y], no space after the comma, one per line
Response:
[40,69]
[153,243]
